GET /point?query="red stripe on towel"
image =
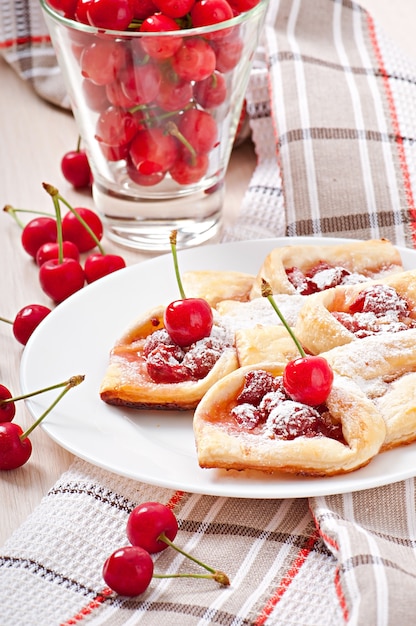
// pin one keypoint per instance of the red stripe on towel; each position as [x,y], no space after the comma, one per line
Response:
[288,579]
[396,126]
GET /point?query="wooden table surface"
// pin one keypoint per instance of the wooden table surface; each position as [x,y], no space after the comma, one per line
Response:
[34,136]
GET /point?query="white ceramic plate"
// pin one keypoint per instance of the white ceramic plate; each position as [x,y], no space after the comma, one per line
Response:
[157,447]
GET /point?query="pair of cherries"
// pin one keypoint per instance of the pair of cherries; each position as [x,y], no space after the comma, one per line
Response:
[151,528]
[15,445]
[307,379]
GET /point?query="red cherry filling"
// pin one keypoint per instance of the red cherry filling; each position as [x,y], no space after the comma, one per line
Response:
[321,277]
[166,362]
[378,308]
[265,406]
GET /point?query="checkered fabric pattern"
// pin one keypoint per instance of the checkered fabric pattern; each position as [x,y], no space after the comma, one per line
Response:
[332,111]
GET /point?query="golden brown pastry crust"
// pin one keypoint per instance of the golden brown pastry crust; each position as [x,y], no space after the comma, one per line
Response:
[264,345]
[319,331]
[384,367]
[127,383]
[373,258]
[220,444]
[214,286]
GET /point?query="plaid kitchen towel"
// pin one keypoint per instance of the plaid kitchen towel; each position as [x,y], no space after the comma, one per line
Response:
[25,44]
[333,116]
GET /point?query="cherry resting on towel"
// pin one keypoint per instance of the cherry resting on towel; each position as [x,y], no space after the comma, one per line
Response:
[151,527]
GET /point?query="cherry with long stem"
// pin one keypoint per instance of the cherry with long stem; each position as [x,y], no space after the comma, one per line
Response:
[309,378]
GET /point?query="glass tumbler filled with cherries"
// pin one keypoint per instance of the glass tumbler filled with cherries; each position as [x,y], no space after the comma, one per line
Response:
[157,88]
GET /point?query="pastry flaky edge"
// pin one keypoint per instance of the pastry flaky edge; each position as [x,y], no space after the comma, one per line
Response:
[319,331]
[126,382]
[217,447]
[217,285]
[373,258]
[384,367]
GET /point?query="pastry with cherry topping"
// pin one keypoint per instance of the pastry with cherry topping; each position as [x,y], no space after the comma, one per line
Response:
[347,313]
[148,369]
[384,367]
[247,421]
[307,269]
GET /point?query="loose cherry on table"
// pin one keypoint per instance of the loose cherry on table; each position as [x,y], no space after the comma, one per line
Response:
[15,445]
[307,379]
[76,168]
[38,231]
[26,320]
[190,319]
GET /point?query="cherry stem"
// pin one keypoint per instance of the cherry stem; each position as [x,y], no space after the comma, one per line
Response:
[172,239]
[218,576]
[72,382]
[266,291]
[3,319]
[34,393]
[79,144]
[173,130]
[55,194]
[55,199]
[13,212]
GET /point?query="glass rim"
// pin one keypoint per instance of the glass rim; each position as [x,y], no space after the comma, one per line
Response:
[184,32]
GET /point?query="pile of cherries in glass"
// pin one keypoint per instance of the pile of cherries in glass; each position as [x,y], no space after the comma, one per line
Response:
[156,97]
[151,528]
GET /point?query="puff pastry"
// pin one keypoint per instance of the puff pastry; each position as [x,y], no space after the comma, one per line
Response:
[384,367]
[222,442]
[214,286]
[327,319]
[364,260]
[127,381]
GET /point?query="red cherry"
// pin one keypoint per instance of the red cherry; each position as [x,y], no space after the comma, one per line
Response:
[8,410]
[200,129]
[73,230]
[98,265]
[187,170]
[207,12]
[38,231]
[143,8]
[195,59]
[212,91]
[160,47]
[65,7]
[147,522]
[153,151]
[174,8]
[308,380]
[102,60]
[50,250]
[111,14]
[128,571]
[27,319]
[116,127]
[61,280]
[14,451]
[76,168]
[188,320]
